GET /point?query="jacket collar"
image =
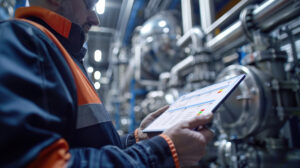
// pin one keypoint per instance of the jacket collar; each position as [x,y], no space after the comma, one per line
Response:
[69,34]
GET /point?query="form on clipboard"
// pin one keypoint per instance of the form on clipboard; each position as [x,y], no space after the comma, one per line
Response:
[196,103]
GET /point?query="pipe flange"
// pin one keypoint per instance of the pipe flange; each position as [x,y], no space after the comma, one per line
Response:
[247,19]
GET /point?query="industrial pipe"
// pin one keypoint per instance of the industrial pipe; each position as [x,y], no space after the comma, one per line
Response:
[273,12]
[187,17]
[228,15]
[194,36]
[207,13]
[187,62]
[265,16]
[227,36]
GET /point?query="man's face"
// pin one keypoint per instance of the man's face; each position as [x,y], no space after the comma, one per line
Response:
[81,12]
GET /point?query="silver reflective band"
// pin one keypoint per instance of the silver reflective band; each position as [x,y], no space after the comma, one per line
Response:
[91,114]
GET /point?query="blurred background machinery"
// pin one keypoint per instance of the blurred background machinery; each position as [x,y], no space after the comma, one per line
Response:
[197,43]
[146,53]
[6,9]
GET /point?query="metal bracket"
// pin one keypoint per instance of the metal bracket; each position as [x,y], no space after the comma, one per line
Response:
[247,20]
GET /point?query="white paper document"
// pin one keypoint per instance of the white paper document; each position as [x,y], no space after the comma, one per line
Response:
[196,103]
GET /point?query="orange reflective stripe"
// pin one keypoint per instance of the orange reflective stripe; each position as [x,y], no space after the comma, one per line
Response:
[86,93]
[172,149]
[136,136]
[60,24]
[54,156]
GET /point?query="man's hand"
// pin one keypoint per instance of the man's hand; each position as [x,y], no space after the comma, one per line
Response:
[190,143]
[148,120]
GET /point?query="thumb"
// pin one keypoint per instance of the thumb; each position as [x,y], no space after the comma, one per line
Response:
[150,117]
[159,111]
[199,120]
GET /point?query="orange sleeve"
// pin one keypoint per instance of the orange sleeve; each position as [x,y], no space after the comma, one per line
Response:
[136,135]
[54,156]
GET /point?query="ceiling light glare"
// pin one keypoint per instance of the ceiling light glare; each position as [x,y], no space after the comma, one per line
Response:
[97,85]
[90,69]
[98,55]
[166,30]
[162,23]
[100,7]
[146,29]
[97,75]
[149,39]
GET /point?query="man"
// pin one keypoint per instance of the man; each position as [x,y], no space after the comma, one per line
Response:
[50,115]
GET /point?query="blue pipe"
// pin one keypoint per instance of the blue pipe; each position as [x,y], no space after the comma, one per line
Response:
[132,104]
[173,4]
[134,93]
[131,22]
[20,3]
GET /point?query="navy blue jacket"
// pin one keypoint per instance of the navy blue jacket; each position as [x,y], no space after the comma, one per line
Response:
[38,104]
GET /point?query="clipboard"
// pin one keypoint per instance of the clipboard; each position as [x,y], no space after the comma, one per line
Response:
[196,103]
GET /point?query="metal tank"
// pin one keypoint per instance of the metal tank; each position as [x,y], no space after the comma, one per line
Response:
[249,107]
[155,45]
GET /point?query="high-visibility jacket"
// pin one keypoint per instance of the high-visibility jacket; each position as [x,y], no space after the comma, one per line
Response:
[50,115]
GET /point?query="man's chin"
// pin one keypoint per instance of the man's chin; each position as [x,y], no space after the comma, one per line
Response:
[86,28]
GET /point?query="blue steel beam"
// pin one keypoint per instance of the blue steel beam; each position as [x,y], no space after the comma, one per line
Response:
[138,4]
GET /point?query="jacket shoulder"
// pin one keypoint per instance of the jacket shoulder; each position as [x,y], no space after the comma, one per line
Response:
[17,30]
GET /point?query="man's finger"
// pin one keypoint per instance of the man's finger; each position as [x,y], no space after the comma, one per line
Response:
[199,120]
[207,133]
[159,111]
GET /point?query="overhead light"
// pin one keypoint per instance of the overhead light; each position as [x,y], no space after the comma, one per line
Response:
[115,50]
[149,39]
[166,30]
[27,3]
[100,7]
[124,121]
[97,75]
[98,55]
[146,29]
[162,23]
[90,69]
[97,85]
